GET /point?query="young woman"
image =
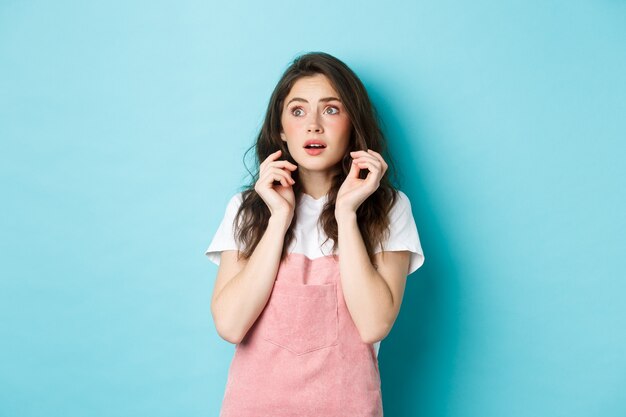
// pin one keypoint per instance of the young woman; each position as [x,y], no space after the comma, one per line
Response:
[313,255]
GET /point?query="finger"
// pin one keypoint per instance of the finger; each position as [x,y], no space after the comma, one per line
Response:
[283,163]
[270,179]
[375,154]
[371,166]
[354,170]
[282,171]
[374,175]
[368,158]
[357,153]
[379,157]
[376,158]
[283,178]
[271,157]
[278,174]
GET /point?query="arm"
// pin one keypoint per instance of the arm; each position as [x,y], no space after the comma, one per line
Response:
[242,288]
[372,296]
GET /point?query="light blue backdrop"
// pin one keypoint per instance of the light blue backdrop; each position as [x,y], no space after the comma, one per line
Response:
[123,127]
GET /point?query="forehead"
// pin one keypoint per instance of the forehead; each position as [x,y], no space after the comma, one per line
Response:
[313,86]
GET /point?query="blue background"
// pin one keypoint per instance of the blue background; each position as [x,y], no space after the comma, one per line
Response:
[123,128]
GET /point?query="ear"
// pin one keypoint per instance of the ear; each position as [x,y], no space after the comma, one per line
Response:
[283,137]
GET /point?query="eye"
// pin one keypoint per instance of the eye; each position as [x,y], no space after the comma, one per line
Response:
[296,109]
[334,108]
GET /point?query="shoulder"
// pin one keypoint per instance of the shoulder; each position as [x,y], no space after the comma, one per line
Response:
[402,204]
[403,234]
[402,199]
[236,198]
[232,207]
[400,215]
[235,201]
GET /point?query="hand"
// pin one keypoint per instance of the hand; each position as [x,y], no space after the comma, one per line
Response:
[280,199]
[354,190]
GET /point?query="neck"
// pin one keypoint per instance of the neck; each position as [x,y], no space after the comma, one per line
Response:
[315,183]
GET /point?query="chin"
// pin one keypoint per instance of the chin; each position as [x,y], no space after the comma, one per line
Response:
[319,165]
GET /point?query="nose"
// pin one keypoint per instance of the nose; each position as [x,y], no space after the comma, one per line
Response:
[314,126]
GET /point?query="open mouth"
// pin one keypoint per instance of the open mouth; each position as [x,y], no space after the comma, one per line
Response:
[314,144]
[314,148]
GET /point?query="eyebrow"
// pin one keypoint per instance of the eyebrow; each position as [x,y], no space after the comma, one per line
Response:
[321,99]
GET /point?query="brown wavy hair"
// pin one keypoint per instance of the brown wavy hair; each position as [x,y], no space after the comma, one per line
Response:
[253,214]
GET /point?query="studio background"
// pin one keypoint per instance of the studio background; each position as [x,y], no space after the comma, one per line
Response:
[123,127]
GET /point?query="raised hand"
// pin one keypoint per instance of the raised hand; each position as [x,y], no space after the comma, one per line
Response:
[280,199]
[354,190]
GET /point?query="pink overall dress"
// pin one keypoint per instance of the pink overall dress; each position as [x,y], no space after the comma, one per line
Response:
[304,357]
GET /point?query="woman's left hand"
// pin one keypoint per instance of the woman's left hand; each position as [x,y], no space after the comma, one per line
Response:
[354,190]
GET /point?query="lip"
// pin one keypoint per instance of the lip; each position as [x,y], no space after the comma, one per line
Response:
[314,151]
[312,141]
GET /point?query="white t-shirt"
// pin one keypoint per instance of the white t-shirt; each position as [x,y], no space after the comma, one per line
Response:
[309,238]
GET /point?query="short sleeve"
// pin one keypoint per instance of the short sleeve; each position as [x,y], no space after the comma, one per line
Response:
[224,238]
[403,233]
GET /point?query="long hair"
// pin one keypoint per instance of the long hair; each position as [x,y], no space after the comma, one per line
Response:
[253,214]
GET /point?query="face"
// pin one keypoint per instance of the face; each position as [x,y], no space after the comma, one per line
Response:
[313,111]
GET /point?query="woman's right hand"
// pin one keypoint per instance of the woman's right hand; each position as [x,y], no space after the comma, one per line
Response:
[280,199]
